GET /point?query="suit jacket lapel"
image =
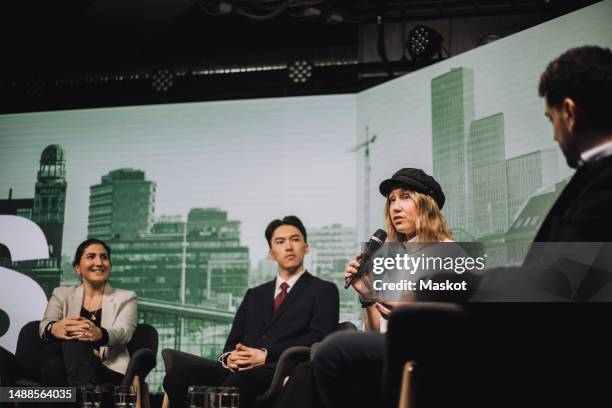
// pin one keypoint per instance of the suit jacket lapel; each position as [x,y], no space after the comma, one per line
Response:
[108,307]
[301,284]
[267,304]
[75,302]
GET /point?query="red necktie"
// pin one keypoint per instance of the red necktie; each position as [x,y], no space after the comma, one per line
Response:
[281,296]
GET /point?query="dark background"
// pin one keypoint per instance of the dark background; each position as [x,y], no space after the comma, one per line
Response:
[88,53]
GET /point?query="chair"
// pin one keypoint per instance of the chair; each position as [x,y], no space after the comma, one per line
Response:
[499,355]
[143,355]
[407,390]
[425,348]
[23,367]
[287,362]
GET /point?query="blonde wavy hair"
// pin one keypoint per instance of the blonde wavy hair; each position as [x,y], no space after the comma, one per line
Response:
[430,226]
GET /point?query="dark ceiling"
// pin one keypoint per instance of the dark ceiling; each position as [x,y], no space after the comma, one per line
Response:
[76,35]
[63,38]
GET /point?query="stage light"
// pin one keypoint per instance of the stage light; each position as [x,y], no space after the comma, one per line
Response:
[488,39]
[162,79]
[35,87]
[300,71]
[424,42]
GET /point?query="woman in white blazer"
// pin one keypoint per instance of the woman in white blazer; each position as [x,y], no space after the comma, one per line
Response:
[88,326]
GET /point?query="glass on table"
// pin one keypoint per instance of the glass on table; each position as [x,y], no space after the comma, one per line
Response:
[125,396]
[98,396]
[222,397]
[85,396]
[195,396]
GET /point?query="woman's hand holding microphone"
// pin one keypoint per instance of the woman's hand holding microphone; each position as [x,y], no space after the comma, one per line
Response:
[352,270]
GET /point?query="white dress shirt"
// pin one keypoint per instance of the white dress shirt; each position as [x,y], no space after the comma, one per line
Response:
[291,281]
[597,152]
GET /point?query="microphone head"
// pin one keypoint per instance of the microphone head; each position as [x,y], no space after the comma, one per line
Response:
[376,241]
[380,235]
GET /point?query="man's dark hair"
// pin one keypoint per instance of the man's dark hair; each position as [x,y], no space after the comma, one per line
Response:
[288,220]
[583,74]
[81,249]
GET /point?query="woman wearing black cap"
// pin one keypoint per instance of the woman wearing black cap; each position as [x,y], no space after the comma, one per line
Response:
[348,367]
[412,210]
[412,214]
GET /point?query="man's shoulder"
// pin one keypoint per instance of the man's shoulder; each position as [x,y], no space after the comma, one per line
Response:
[322,284]
[602,168]
[264,287]
[601,179]
[311,280]
[316,282]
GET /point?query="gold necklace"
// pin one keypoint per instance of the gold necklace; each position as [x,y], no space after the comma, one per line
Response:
[93,313]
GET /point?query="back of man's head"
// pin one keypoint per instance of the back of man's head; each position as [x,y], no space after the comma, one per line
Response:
[583,74]
[288,220]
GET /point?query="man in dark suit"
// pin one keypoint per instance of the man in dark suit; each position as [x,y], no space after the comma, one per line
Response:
[295,309]
[577,88]
[565,346]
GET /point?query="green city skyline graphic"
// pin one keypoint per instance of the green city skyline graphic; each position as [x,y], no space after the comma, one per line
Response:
[190,275]
[244,160]
[469,162]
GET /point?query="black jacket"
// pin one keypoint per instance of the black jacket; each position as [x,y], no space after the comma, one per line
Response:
[583,211]
[571,257]
[580,270]
[308,314]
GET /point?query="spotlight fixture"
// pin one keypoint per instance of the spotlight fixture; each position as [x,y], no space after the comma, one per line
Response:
[162,79]
[300,71]
[423,43]
[35,87]
[488,39]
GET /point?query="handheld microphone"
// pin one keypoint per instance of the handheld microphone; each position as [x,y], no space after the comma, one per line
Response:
[376,241]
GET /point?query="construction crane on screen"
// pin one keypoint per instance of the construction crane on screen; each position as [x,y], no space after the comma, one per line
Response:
[365,147]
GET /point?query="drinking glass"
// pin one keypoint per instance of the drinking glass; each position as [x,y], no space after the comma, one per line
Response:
[195,396]
[125,397]
[86,396]
[98,396]
[222,397]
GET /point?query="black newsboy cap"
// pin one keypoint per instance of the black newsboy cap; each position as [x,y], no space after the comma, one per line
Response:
[416,180]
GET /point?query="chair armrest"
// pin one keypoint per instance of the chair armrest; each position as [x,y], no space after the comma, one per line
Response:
[141,363]
[314,349]
[145,336]
[11,369]
[288,360]
[8,363]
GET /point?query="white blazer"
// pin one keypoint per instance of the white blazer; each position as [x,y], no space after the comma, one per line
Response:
[119,314]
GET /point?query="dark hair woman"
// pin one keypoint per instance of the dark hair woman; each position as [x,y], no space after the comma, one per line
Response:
[89,325]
